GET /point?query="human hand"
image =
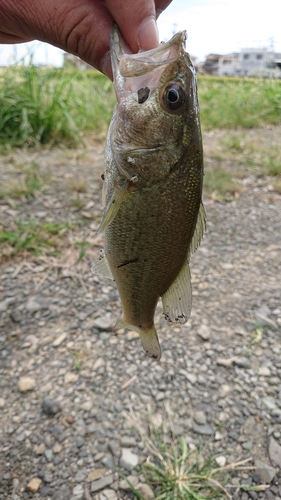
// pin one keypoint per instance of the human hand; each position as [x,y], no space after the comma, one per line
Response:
[82,27]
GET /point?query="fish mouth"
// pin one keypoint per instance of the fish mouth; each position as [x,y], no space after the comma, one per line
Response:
[126,65]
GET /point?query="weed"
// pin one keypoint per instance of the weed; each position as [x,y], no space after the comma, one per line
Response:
[52,106]
[30,182]
[175,472]
[238,102]
[219,184]
[32,236]
[274,166]
[77,184]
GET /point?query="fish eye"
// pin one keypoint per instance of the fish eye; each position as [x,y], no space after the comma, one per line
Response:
[173,97]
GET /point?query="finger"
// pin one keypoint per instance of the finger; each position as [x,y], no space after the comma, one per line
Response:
[136,21]
[161,5]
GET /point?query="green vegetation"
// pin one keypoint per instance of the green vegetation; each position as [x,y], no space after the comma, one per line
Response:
[29,182]
[51,106]
[175,471]
[238,102]
[54,105]
[33,236]
[219,184]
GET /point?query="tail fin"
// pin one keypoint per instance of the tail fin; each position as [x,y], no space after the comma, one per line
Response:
[149,339]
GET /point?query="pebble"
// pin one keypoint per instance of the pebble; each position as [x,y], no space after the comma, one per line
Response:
[203,429]
[145,490]
[264,371]
[204,332]
[200,417]
[77,493]
[62,494]
[265,471]
[95,474]
[274,451]
[124,483]
[104,323]
[26,384]
[100,484]
[58,341]
[50,407]
[70,378]
[221,460]
[128,459]
[34,484]
[2,402]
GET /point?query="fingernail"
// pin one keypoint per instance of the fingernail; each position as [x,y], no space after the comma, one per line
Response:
[147,35]
[105,66]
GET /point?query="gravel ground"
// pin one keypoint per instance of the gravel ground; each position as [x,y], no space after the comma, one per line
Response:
[68,383]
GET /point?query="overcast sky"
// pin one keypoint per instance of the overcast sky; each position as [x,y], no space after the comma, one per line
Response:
[219,26]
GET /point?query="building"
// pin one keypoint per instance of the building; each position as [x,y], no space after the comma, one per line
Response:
[248,62]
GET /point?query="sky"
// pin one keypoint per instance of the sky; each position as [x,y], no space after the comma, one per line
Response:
[213,26]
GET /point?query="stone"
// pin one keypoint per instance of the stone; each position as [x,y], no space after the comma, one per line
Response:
[26,384]
[203,429]
[2,402]
[242,362]
[103,323]
[49,455]
[50,407]
[40,449]
[33,305]
[70,378]
[95,474]
[274,451]
[265,471]
[34,484]
[204,332]
[124,483]
[247,445]
[145,490]
[58,341]
[200,417]
[128,459]
[57,448]
[269,402]
[98,363]
[264,371]
[132,335]
[78,492]
[62,494]
[100,484]
[221,461]
[108,494]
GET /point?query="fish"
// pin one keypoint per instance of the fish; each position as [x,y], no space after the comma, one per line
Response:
[152,193]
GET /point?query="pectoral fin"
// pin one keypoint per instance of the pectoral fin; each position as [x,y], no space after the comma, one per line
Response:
[112,209]
[178,298]
[149,339]
[102,268]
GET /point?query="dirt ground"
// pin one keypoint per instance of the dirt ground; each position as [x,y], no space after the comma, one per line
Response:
[225,364]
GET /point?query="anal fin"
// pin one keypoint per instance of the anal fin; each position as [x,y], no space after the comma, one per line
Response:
[178,298]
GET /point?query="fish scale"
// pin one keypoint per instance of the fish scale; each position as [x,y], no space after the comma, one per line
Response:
[154,217]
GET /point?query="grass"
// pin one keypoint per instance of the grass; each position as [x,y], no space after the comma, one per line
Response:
[32,236]
[29,182]
[175,472]
[51,106]
[238,102]
[219,184]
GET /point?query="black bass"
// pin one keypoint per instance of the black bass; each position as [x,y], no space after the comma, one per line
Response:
[153,217]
